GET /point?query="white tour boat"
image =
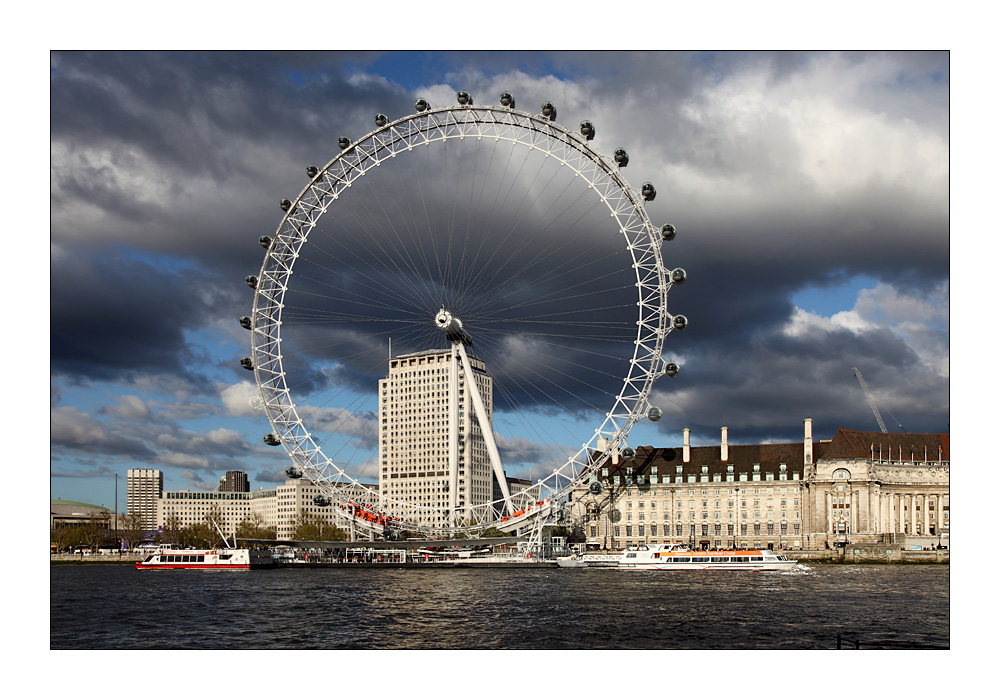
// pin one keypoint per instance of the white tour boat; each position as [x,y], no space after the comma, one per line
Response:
[678,557]
[227,557]
[169,558]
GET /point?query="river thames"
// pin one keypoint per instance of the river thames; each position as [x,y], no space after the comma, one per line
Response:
[868,606]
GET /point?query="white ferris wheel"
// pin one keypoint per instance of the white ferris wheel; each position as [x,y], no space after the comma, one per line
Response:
[489,233]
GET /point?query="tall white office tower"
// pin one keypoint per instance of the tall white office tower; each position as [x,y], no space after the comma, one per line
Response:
[143,488]
[417,423]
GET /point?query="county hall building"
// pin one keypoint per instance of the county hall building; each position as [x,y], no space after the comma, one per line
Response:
[859,487]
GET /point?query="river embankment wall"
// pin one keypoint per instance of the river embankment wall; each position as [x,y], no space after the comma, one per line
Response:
[870,553]
[852,554]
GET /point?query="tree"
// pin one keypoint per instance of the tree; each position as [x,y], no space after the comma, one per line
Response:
[131,529]
[493,532]
[63,536]
[97,530]
[252,528]
[171,532]
[315,527]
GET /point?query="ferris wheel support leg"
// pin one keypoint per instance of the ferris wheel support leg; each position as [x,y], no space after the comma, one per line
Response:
[453,438]
[484,425]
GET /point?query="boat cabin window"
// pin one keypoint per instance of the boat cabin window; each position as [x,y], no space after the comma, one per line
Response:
[682,560]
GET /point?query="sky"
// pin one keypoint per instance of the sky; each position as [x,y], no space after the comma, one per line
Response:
[810,191]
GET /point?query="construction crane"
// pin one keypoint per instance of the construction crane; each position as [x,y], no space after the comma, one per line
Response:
[871,402]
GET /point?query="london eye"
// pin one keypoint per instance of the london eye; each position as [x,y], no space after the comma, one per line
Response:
[505,243]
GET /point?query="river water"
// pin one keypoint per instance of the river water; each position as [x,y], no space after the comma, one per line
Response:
[869,606]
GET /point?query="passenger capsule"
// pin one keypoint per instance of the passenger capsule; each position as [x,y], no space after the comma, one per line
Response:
[671,369]
[587,129]
[421,105]
[595,487]
[271,439]
[265,242]
[381,120]
[322,501]
[246,322]
[549,110]
[293,472]
[679,323]
[654,414]
[621,157]
[667,231]
[506,99]
[648,192]
[246,363]
[344,142]
[678,276]
[252,281]
[285,205]
[627,453]
[464,98]
[312,171]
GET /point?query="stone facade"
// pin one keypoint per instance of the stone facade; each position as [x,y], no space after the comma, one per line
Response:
[280,507]
[813,494]
[416,482]
[890,488]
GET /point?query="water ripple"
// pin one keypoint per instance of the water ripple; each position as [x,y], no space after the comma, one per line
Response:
[112,607]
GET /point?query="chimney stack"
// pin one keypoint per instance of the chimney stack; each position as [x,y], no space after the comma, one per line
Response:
[725,444]
[808,445]
[687,445]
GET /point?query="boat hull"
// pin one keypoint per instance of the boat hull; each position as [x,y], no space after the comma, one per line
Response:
[765,566]
[589,561]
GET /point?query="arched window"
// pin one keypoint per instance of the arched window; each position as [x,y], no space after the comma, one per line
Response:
[841,474]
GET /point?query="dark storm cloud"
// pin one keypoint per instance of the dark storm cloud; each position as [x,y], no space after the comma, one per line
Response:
[115,316]
[781,171]
[74,431]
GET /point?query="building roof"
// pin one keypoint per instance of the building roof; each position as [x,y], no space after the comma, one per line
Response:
[742,457]
[862,443]
[64,505]
[846,444]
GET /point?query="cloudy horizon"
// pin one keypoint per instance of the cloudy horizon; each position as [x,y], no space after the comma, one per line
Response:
[810,191]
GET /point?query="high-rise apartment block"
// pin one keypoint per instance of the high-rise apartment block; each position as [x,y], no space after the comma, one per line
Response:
[234,482]
[143,488]
[416,481]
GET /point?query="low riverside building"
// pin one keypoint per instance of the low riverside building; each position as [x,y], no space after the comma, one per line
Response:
[810,495]
[63,513]
[280,508]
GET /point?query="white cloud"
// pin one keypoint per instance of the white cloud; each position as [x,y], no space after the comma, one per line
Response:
[130,407]
[178,459]
[920,319]
[237,398]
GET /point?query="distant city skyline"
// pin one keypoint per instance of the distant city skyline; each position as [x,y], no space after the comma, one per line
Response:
[810,191]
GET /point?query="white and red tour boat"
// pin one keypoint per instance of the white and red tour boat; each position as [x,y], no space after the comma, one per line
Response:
[678,557]
[169,558]
[227,557]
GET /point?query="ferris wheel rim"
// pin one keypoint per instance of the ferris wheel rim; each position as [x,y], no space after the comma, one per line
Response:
[433,126]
